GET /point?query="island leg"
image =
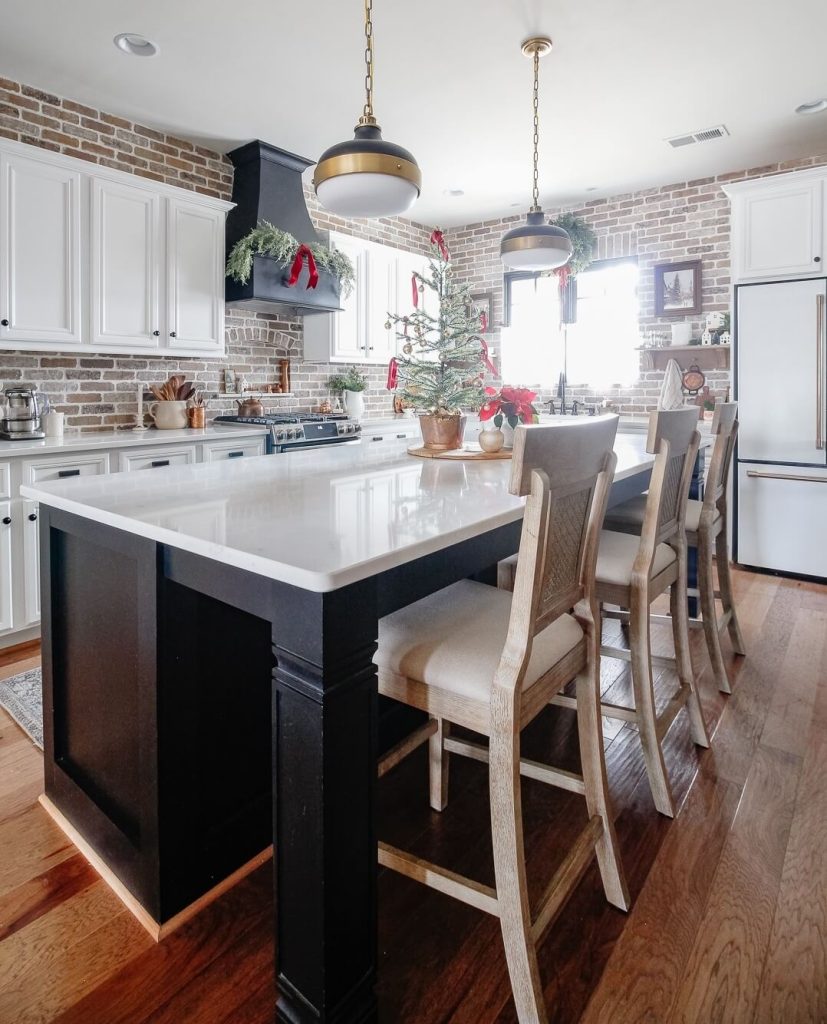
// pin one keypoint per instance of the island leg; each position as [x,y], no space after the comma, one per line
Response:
[324,766]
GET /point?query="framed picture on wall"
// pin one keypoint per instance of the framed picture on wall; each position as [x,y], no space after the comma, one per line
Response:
[484,302]
[678,288]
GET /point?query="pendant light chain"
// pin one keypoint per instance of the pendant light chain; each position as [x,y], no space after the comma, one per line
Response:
[367,115]
[536,105]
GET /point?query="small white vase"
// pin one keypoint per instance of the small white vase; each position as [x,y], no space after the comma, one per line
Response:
[354,404]
[169,415]
[491,439]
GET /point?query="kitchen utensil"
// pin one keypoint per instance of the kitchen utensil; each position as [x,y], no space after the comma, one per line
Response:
[249,407]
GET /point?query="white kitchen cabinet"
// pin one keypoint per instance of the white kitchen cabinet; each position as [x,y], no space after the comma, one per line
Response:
[381,300]
[218,451]
[340,337]
[126,259]
[31,563]
[6,568]
[195,276]
[53,469]
[40,251]
[778,226]
[156,458]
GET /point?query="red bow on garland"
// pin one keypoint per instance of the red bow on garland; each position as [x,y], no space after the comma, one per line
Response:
[438,239]
[486,358]
[414,291]
[303,252]
[393,374]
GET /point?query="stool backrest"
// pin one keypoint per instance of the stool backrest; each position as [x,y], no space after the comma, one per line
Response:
[566,469]
[673,437]
[725,431]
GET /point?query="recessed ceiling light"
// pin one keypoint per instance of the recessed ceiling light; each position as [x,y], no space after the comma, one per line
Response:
[137,46]
[813,107]
[592,188]
[453,192]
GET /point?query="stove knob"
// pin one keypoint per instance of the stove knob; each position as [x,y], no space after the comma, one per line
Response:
[279,435]
[357,429]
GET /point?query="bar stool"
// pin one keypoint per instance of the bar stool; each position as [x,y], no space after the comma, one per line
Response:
[707,531]
[490,661]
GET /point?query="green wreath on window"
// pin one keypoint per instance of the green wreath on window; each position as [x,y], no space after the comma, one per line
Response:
[583,242]
[267,240]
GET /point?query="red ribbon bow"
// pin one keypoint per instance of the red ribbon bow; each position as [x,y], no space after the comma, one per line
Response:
[303,252]
[437,238]
[393,374]
[487,359]
[414,291]
[483,321]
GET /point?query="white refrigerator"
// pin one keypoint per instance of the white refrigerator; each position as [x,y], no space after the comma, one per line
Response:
[781,389]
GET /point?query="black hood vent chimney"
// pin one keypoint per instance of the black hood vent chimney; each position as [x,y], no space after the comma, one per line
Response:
[267,186]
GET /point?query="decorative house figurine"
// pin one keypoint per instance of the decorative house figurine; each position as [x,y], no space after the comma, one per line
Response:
[706,337]
[724,338]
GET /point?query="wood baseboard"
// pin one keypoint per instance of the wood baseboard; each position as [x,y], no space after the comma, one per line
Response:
[157,930]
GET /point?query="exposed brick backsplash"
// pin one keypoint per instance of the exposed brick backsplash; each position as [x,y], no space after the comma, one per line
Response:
[682,221]
[99,392]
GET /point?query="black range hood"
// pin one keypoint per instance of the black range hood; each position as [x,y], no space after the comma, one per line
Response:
[267,185]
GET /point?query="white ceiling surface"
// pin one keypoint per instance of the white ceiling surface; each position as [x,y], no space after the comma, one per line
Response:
[452,85]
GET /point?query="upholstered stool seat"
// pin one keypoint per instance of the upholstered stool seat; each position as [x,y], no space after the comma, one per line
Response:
[631,513]
[617,554]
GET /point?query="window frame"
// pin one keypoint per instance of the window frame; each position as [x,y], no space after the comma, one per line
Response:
[510,276]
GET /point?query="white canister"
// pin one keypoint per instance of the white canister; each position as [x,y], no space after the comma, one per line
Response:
[169,415]
[354,404]
[681,333]
[53,424]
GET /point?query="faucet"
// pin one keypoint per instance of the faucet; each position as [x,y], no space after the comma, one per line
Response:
[575,407]
[561,393]
[550,406]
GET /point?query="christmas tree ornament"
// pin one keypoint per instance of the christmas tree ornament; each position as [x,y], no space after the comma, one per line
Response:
[407,348]
[388,325]
[535,245]
[367,177]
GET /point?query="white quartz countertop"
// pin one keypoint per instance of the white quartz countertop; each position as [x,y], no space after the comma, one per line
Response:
[318,519]
[94,441]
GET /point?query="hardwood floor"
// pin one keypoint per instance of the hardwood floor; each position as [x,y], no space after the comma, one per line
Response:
[729,920]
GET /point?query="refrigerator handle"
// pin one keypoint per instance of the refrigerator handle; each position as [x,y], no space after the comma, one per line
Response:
[820,372]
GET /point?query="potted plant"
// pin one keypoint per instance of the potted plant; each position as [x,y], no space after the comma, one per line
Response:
[443,359]
[352,385]
[509,406]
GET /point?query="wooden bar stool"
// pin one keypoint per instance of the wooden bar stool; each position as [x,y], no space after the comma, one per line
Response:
[707,531]
[490,661]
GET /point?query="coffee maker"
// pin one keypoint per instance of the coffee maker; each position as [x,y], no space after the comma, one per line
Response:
[21,414]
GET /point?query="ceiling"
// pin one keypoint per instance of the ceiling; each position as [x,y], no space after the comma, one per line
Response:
[452,85]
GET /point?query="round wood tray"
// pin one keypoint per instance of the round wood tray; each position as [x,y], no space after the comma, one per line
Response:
[468,451]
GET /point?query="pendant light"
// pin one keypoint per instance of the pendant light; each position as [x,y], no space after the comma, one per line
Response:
[535,245]
[367,177]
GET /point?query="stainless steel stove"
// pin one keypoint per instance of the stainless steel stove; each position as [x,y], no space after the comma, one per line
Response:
[304,430]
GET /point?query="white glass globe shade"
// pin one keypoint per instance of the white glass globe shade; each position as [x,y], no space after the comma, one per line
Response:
[367,195]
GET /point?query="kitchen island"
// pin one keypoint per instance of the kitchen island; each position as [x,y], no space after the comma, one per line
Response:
[209,618]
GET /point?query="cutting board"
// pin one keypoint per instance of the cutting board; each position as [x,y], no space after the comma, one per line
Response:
[467,452]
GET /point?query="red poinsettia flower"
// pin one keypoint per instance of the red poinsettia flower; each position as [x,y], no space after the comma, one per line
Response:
[511,404]
[489,409]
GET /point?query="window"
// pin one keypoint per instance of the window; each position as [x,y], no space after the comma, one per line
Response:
[599,349]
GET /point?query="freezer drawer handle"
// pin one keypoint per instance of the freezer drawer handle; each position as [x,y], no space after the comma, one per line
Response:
[68,472]
[788,476]
[159,462]
[820,372]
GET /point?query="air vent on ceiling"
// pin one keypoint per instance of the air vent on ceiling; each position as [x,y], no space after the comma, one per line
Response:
[706,135]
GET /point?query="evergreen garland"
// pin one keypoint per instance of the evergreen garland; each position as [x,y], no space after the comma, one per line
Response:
[583,242]
[441,367]
[267,240]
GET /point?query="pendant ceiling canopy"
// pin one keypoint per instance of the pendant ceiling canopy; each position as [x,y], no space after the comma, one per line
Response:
[535,245]
[367,176]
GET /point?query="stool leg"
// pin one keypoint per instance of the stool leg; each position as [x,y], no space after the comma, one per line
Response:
[641,661]
[592,758]
[725,586]
[510,875]
[709,614]
[438,765]
[683,660]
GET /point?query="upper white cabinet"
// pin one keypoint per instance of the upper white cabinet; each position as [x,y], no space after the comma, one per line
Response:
[126,254]
[104,261]
[195,276]
[40,251]
[383,285]
[778,226]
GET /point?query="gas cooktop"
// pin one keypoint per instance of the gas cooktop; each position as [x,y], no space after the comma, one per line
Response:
[271,419]
[303,430]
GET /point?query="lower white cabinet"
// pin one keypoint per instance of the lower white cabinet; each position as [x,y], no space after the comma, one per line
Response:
[217,451]
[31,563]
[156,458]
[6,573]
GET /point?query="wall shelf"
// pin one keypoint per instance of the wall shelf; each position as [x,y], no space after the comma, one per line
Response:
[706,357]
[250,394]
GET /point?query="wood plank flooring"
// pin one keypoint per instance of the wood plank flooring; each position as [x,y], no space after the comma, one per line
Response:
[728,925]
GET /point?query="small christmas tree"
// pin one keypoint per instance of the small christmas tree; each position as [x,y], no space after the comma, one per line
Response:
[443,361]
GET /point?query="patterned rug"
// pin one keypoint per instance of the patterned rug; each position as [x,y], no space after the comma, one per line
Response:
[22,697]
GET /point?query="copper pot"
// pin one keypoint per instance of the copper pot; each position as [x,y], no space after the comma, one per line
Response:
[442,433]
[250,407]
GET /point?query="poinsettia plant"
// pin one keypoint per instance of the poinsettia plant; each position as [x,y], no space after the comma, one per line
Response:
[509,404]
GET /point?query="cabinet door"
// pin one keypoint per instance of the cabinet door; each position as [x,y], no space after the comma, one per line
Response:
[195,277]
[125,265]
[348,340]
[6,618]
[381,299]
[40,283]
[781,230]
[31,562]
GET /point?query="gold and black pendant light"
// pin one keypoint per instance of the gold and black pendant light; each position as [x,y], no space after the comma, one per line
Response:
[366,176]
[535,245]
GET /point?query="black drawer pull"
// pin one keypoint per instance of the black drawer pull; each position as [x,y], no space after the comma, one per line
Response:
[159,462]
[33,517]
[376,439]
[400,436]
[235,455]
[68,472]
[6,520]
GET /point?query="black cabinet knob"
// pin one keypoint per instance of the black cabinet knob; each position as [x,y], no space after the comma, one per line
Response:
[172,334]
[4,323]
[33,517]
[6,520]
[156,334]
[817,259]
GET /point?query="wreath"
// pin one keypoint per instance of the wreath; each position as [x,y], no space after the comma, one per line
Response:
[267,240]
[583,241]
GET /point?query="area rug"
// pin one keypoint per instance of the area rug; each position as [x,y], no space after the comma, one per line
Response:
[22,697]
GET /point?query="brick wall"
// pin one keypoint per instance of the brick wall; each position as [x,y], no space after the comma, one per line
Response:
[683,221]
[100,392]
